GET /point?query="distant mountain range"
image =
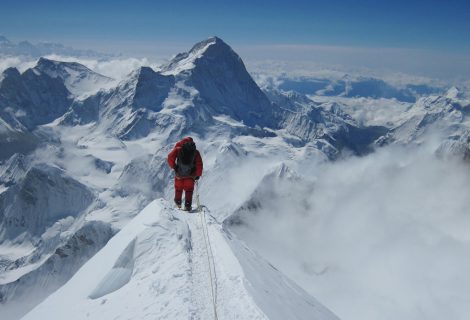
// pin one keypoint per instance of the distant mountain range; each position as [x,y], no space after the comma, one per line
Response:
[350,86]
[26,48]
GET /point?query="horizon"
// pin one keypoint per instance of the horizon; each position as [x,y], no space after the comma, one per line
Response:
[416,24]
[422,38]
[393,64]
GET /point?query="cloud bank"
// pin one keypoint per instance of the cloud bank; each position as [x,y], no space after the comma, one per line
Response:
[379,237]
[379,62]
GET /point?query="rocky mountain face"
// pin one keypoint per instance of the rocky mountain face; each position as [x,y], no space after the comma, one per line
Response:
[31,98]
[27,100]
[43,196]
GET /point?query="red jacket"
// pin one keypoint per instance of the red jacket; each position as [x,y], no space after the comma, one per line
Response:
[197,159]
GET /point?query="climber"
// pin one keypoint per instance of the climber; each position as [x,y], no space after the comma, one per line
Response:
[186,161]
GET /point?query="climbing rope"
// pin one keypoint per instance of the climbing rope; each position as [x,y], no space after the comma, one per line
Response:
[210,256]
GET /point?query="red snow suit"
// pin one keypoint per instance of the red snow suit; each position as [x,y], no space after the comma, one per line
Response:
[185,183]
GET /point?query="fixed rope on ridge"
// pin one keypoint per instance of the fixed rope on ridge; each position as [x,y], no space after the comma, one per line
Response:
[210,256]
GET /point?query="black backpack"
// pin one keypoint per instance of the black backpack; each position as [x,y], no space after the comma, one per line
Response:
[185,159]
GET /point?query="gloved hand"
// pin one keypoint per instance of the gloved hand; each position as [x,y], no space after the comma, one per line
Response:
[196,178]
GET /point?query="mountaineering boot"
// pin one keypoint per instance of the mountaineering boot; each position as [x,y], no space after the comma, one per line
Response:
[178,204]
[187,206]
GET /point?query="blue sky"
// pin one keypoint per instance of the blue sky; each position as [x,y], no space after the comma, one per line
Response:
[426,24]
[440,28]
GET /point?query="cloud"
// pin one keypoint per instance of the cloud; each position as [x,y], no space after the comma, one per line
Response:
[276,70]
[379,237]
[386,63]
[20,63]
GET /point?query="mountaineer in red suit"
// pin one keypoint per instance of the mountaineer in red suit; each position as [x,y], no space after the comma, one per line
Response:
[186,160]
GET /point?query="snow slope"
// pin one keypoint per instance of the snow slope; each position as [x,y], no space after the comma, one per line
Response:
[79,80]
[157,268]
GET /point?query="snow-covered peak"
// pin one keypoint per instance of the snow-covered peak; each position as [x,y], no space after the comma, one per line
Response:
[453,93]
[79,79]
[56,68]
[187,60]
[222,82]
[209,41]
[234,149]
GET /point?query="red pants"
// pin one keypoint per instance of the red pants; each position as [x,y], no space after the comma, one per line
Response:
[186,184]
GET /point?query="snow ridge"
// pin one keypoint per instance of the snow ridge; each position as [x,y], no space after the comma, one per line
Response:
[156,267]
